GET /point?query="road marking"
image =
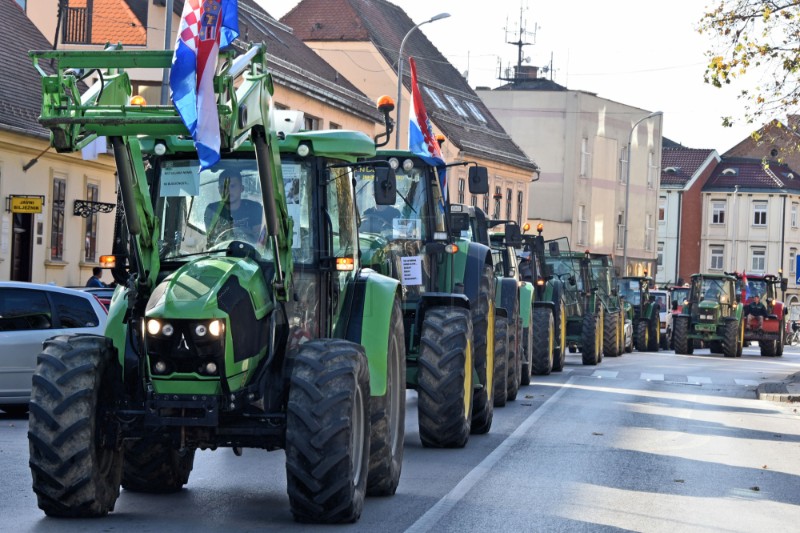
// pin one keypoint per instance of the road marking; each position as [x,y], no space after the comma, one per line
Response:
[746,382]
[427,521]
[604,374]
[652,377]
[698,379]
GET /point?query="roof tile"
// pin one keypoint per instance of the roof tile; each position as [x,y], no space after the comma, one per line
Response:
[678,165]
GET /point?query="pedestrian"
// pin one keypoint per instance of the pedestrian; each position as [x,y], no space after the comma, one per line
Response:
[95,280]
[757,310]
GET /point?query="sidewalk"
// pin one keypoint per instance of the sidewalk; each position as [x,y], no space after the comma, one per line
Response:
[781,391]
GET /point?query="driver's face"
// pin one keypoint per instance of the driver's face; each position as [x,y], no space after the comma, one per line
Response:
[233,187]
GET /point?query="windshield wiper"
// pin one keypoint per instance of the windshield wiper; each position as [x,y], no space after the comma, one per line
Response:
[406,201]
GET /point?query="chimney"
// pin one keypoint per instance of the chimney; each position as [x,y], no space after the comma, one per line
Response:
[527,72]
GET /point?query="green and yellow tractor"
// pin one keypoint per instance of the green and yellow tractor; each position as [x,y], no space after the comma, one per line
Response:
[643,310]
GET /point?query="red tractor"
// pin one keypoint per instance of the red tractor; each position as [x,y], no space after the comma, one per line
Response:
[770,335]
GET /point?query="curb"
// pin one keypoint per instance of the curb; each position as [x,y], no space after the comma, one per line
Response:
[781,391]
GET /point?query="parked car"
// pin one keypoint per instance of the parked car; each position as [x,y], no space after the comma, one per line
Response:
[103,294]
[29,314]
[662,298]
[628,336]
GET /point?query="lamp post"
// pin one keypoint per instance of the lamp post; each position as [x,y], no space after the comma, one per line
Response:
[400,74]
[628,190]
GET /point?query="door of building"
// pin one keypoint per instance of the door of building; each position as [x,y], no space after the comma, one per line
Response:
[22,247]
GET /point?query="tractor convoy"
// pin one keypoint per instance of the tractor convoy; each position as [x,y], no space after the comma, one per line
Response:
[289,295]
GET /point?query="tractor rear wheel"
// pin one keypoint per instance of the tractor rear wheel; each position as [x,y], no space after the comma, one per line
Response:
[328,431]
[151,465]
[527,350]
[501,362]
[730,338]
[642,335]
[680,336]
[444,380]
[75,460]
[610,331]
[514,356]
[768,348]
[483,350]
[544,341]
[591,340]
[560,327]
[388,415]
[654,334]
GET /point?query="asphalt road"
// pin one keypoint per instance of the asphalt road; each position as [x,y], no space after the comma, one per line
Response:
[645,442]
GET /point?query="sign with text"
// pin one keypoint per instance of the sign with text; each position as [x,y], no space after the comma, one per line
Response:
[27,204]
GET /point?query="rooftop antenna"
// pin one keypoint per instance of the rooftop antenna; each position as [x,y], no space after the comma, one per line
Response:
[520,41]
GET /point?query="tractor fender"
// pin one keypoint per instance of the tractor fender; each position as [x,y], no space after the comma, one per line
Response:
[477,257]
[545,304]
[368,309]
[777,309]
[525,303]
[507,295]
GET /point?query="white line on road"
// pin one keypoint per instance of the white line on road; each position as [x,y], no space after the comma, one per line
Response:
[457,493]
[698,379]
[604,374]
[746,382]
[652,377]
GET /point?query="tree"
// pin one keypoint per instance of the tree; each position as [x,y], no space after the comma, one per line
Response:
[760,39]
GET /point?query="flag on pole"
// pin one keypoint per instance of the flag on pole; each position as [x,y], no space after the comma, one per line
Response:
[421,141]
[206,26]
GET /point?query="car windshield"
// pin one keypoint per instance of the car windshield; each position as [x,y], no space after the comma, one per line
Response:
[203,211]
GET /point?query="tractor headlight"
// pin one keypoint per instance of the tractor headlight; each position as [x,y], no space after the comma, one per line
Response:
[153,326]
[215,327]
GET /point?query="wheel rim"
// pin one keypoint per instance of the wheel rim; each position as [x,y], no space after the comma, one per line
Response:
[490,352]
[551,341]
[468,380]
[357,435]
[397,394]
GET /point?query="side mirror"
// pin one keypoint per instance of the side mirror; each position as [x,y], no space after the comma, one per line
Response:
[784,284]
[513,236]
[553,248]
[478,180]
[458,222]
[385,184]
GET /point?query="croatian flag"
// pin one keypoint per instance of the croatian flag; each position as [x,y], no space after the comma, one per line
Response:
[206,26]
[421,141]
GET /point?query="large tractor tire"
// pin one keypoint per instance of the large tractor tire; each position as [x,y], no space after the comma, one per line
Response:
[483,324]
[591,339]
[665,340]
[768,348]
[730,338]
[501,360]
[654,334]
[328,431]
[75,460]
[621,331]
[641,335]
[514,357]
[388,416]
[740,344]
[544,340]
[527,350]
[680,336]
[610,331]
[151,465]
[560,325]
[444,380]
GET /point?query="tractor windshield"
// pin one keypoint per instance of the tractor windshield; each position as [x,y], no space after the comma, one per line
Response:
[710,289]
[204,211]
[630,289]
[414,215]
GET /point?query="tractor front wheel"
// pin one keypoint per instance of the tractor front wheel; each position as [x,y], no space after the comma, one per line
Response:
[610,335]
[328,431]
[483,324]
[527,349]
[654,335]
[642,335]
[514,357]
[543,344]
[501,362]
[680,336]
[730,338]
[591,339]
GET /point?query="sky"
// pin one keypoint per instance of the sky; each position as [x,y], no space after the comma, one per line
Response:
[643,54]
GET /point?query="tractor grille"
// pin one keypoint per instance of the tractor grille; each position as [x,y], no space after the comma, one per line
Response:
[190,347]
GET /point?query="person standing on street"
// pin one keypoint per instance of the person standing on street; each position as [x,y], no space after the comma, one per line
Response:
[95,280]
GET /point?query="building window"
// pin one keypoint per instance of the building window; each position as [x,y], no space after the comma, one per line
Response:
[486,204]
[456,106]
[648,232]
[57,223]
[474,201]
[476,112]
[584,157]
[311,123]
[498,196]
[434,97]
[717,258]
[90,244]
[651,170]
[660,256]
[520,198]
[759,213]
[461,190]
[509,199]
[718,211]
[621,229]
[758,259]
[623,164]
[662,210]
[793,260]
[335,126]
[795,207]
[583,225]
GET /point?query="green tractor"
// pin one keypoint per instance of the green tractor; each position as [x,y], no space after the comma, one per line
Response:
[601,268]
[712,315]
[239,319]
[583,307]
[511,298]
[448,295]
[643,310]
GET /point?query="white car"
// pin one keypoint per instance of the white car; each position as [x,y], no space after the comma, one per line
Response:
[628,336]
[665,306]
[30,313]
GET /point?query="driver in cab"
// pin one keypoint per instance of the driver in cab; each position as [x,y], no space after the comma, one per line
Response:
[233,214]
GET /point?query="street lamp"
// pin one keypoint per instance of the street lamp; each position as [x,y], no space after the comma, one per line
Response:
[628,190]
[400,74]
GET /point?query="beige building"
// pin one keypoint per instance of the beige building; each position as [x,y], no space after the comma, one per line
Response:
[362,40]
[581,144]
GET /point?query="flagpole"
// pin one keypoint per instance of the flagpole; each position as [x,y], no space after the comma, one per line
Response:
[167,43]
[398,123]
